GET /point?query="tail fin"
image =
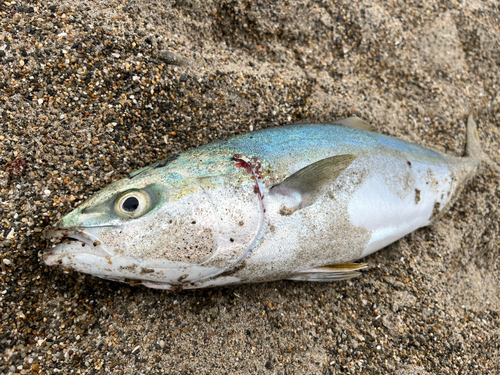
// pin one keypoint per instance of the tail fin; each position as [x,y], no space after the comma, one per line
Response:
[467,167]
[473,148]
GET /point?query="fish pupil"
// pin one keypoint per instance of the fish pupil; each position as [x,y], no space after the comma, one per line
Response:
[130,204]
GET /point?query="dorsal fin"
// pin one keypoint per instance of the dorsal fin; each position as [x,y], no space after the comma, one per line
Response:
[312,181]
[350,122]
[355,123]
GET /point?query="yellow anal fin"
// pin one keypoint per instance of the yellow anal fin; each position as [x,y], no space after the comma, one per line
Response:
[335,272]
[344,267]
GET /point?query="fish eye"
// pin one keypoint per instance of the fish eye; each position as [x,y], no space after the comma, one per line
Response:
[133,204]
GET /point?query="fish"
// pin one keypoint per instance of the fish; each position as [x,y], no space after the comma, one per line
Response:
[299,202]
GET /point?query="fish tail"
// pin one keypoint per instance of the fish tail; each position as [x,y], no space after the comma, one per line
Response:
[473,147]
[466,168]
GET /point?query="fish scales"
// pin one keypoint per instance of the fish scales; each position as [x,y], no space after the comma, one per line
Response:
[298,202]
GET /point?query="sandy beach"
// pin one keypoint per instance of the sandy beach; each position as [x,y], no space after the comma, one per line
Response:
[93,90]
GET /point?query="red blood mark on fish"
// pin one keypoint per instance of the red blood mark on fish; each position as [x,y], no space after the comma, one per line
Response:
[240,163]
[256,165]
[253,168]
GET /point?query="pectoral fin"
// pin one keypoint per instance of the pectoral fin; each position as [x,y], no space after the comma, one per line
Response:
[311,182]
[336,272]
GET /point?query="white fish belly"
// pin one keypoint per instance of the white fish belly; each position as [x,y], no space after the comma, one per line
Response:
[400,200]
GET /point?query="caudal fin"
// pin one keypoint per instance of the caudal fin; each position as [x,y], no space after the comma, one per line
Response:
[473,147]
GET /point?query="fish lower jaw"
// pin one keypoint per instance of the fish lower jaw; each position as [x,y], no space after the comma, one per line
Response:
[157,274]
[74,246]
[72,249]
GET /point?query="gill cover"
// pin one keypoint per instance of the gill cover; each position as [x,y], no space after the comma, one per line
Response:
[203,229]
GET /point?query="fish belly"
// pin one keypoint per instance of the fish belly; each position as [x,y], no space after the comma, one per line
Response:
[399,199]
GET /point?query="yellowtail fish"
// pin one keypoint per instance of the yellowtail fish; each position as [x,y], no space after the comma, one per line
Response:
[299,202]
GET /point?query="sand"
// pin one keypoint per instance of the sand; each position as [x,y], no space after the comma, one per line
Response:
[93,90]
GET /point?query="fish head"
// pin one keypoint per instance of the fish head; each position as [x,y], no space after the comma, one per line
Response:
[165,230]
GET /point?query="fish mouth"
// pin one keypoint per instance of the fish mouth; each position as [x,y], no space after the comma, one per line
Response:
[74,241]
[81,250]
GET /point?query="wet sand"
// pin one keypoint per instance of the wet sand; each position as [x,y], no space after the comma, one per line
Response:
[93,90]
